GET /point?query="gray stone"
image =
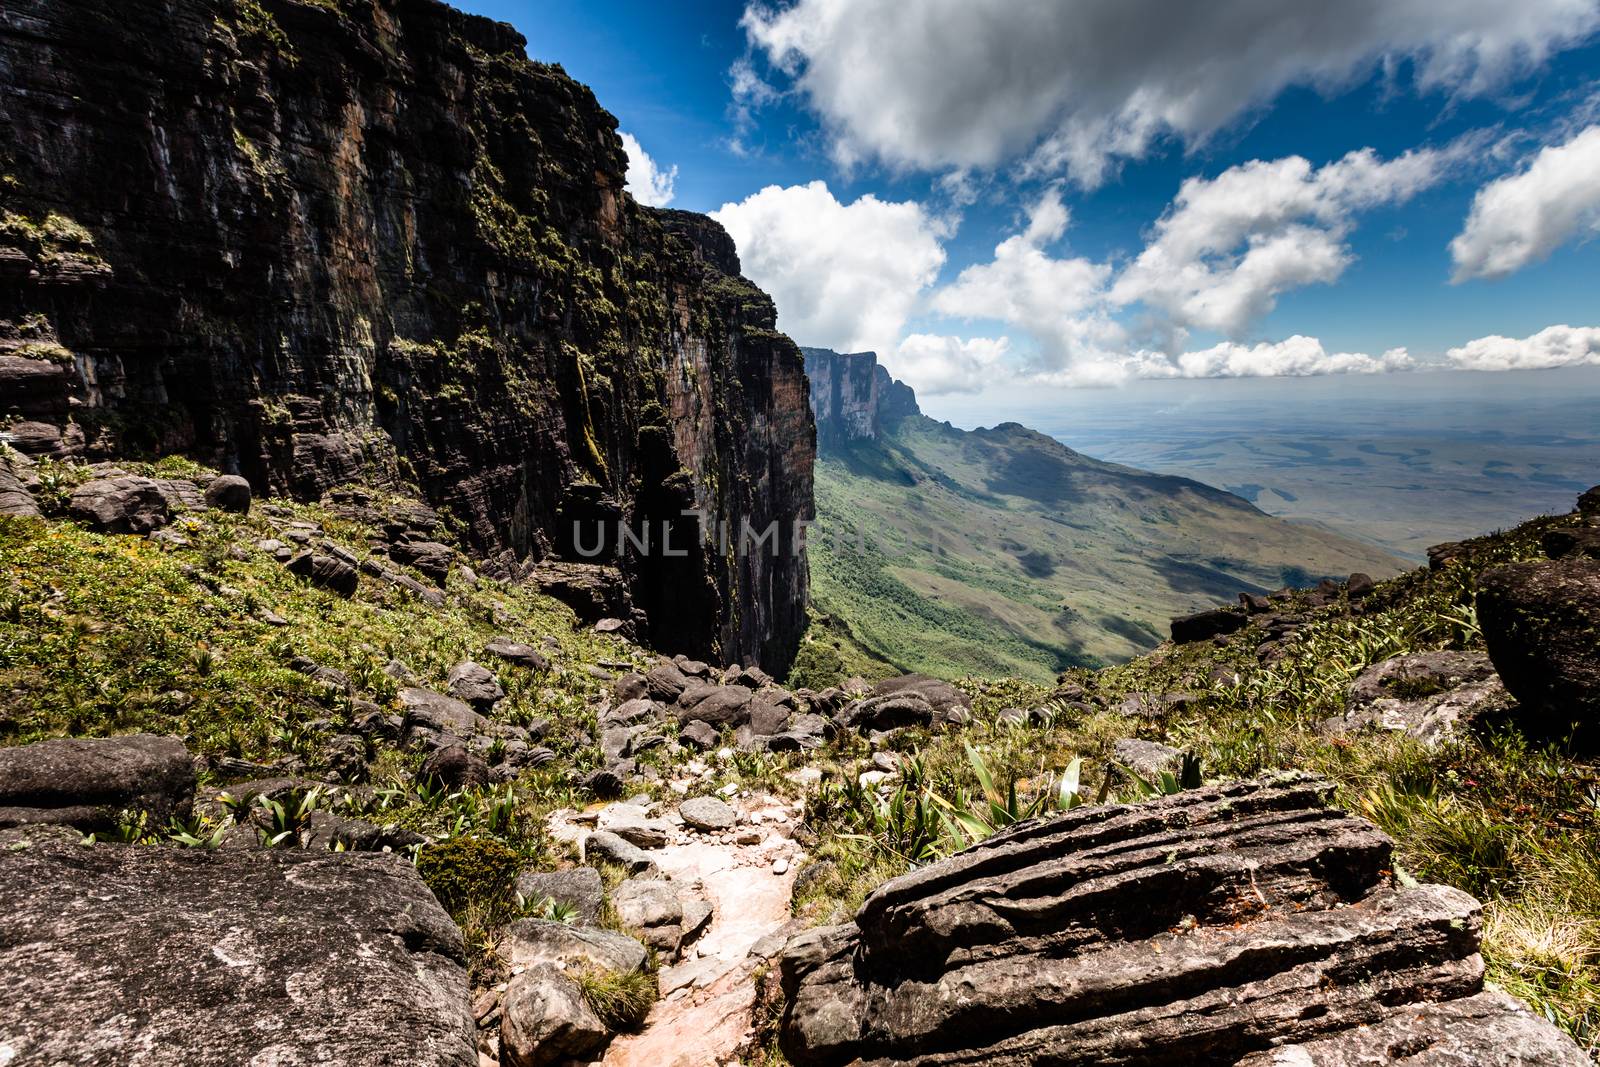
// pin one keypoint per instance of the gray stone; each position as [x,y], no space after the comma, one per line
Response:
[517,653]
[1147,759]
[699,735]
[767,719]
[1427,695]
[666,683]
[579,888]
[15,500]
[545,1020]
[123,505]
[229,492]
[214,958]
[1486,1030]
[328,830]
[708,814]
[607,846]
[628,823]
[475,684]
[718,705]
[1203,625]
[326,572]
[651,909]
[1540,622]
[455,767]
[426,710]
[86,782]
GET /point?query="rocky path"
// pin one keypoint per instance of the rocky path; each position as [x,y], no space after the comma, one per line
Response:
[745,871]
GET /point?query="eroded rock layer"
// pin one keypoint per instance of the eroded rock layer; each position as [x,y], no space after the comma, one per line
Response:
[317,241]
[1210,927]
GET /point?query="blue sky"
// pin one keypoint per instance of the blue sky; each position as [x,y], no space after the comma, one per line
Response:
[901,103]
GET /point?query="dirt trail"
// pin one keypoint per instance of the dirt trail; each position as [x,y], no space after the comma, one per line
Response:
[705,1014]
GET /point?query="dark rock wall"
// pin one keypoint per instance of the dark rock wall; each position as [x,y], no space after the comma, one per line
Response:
[315,241]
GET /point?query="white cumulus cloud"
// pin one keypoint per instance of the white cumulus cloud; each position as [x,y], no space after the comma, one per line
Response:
[1228,246]
[649,184]
[1553,346]
[1295,357]
[844,276]
[1055,300]
[941,84]
[935,365]
[1522,218]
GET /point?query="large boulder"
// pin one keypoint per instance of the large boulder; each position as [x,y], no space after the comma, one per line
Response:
[1427,695]
[430,557]
[229,492]
[122,505]
[545,1020]
[150,955]
[716,705]
[87,782]
[1203,928]
[327,572]
[1203,625]
[434,717]
[945,699]
[475,684]
[1541,622]
[517,653]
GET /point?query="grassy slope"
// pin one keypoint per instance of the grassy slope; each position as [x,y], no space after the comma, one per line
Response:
[1511,819]
[1003,553]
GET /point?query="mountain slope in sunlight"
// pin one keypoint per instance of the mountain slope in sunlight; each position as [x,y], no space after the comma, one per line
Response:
[1002,551]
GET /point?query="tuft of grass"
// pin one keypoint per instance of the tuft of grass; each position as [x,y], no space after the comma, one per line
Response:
[620,999]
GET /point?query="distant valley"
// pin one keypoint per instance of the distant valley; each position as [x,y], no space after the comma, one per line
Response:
[1402,461]
[1002,552]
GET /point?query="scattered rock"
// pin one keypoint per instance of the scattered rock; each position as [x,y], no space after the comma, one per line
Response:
[1360,586]
[1427,695]
[1147,759]
[327,572]
[1200,928]
[455,767]
[327,830]
[517,653]
[531,942]
[604,845]
[708,814]
[627,822]
[545,1020]
[715,704]
[666,683]
[1204,625]
[579,888]
[699,735]
[121,505]
[86,782]
[651,909]
[629,687]
[429,557]
[604,783]
[229,492]
[1568,541]
[15,500]
[1540,622]
[213,958]
[430,713]
[475,685]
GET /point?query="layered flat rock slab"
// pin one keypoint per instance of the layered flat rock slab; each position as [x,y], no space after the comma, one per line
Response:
[1208,928]
[145,956]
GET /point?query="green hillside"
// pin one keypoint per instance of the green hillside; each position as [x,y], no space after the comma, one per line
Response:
[1001,552]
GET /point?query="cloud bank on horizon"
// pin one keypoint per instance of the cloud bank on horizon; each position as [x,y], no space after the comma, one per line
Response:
[1061,99]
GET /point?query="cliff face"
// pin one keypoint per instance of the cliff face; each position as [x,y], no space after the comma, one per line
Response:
[322,241]
[853,395]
